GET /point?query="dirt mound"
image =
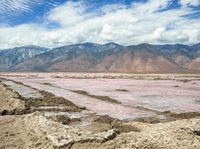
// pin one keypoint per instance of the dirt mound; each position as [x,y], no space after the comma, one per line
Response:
[181,134]
[121,126]
[61,119]
[10,102]
[104,98]
[50,100]
[14,133]
[36,131]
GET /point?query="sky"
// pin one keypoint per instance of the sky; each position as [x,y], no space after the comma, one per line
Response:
[54,23]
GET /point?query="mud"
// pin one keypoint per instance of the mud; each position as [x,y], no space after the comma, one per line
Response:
[166,116]
[38,132]
[104,98]
[121,90]
[61,119]
[10,102]
[121,126]
[61,124]
[46,102]
[49,100]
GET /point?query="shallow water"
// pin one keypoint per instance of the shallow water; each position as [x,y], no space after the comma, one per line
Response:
[85,117]
[24,91]
[160,95]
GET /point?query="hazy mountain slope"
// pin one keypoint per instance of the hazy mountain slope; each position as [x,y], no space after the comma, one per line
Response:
[80,63]
[137,61]
[112,57]
[11,57]
[194,64]
[69,58]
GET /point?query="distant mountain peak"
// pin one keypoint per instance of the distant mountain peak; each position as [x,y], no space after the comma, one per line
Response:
[112,43]
[197,45]
[11,57]
[90,43]
[109,57]
[144,45]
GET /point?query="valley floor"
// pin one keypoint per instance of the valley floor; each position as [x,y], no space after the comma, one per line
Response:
[40,111]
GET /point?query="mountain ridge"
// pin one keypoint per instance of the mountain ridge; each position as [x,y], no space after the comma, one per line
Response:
[112,57]
[10,57]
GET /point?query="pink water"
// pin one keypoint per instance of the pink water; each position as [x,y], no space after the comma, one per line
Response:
[160,95]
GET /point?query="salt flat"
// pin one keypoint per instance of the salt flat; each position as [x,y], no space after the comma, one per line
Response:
[136,95]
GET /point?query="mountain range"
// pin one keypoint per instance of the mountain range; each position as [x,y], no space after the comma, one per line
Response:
[14,56]
[111,57]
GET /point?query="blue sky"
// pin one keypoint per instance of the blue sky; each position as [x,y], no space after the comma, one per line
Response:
[53,23]
[38,10]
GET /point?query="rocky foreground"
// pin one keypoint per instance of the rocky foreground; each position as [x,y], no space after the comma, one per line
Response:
[23,126]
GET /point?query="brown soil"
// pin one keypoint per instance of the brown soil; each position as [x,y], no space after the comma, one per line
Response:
[10,102]
[176,86]
[15,134]
[104,98]
[182,134]
[121,126]
[121,90]
[36,131]
[169,116]
[61,119]
[184,115]
[52,100]
[34,104]
[39,132]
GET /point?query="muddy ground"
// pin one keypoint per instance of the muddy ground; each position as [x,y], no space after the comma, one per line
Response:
[53,122]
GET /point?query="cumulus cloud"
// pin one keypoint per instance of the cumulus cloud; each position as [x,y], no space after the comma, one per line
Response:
[67,14]
[158,33]
[138,23]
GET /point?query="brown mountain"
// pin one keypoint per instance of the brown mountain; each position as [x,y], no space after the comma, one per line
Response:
[143,58]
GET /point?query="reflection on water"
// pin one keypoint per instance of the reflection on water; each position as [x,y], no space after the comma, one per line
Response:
[24,91]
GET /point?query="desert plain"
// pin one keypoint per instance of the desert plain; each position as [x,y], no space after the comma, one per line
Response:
[99,110]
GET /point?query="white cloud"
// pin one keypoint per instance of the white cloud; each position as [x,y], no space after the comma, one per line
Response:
[136,24]
[67,14]
[153,5]
[158,33]
[186,3]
